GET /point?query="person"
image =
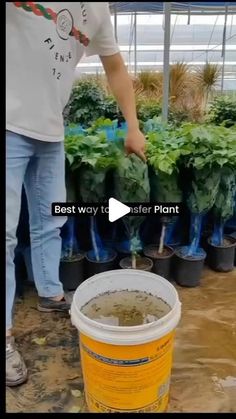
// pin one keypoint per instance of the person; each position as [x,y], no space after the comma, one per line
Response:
[44,43]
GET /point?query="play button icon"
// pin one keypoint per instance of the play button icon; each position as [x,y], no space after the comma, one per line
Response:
[117,210]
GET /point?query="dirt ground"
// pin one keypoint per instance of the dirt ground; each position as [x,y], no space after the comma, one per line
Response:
[204,368]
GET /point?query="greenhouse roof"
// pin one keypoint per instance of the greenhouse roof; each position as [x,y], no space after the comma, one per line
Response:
[186,7]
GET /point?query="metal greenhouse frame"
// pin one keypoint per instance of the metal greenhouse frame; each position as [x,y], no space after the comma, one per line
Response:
[189,8]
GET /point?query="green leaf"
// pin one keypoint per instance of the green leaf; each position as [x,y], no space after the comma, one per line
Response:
[70,158]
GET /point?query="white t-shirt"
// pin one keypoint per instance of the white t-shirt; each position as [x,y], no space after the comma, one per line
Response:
[44,43]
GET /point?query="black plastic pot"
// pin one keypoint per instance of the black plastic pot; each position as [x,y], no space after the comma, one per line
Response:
[204,240]
[143,263]
[187,270]
[94,267]
[161,262]
[28,264]
[234,237]
[222,258]
[122,255]
[20,272]
[71,272]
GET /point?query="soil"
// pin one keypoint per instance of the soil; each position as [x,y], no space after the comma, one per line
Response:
[111,255]
[74,258]
[182,254]
[204,350]
[227,242]
[141,263]
[153,253]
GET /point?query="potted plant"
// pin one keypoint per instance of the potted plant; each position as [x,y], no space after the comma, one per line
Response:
[132,186]
[189,260]
[164,150]
[209,153]
[71,271]
[141,263]
[92,157]
[221,248]
[86,104]
[233,235]
[223,111]
[99,258]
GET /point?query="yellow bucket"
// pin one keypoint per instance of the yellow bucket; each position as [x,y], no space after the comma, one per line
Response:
[126,369]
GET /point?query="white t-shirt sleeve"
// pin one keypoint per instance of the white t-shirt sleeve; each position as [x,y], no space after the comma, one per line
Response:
[104,42]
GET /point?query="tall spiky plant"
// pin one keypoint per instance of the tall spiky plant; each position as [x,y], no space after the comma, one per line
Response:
[179,81]
[149,84]
[206,79]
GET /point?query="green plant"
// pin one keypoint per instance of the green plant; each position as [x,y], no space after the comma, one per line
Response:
[93,155]
[86,103]
[92,150]
[212,148]
[101,123]
[177,117]
[165,148]
[223,111]
[148,109]
[132,186]
[210,145]
[111,109]
[225,200]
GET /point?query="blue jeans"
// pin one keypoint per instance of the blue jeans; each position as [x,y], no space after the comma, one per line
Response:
[41,167]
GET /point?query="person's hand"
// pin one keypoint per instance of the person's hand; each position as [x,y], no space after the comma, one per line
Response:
[135,143]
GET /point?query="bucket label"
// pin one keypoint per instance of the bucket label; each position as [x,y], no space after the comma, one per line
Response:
[133,378]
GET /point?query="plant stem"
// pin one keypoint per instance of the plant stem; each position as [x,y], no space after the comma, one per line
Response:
[71,221]
[162,238]
[196,226]
[92,229]
[133,261]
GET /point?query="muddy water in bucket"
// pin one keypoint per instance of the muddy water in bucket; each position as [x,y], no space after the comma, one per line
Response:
[127,365]
[125,308]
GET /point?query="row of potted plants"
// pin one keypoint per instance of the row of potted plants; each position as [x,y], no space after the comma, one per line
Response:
[203,155]
[194,164]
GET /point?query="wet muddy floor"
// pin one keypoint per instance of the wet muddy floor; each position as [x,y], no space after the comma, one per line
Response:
[204,369]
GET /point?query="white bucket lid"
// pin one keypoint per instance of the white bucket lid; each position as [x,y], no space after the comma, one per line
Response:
[131,280]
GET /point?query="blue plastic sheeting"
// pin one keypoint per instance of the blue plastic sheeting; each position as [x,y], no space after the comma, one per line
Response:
[98,252]
[149,7]
[218,234]
[69,242]
[173,232]
[74,130]
[195,234]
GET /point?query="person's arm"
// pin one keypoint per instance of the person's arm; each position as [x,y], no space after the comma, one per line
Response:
[122,88]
